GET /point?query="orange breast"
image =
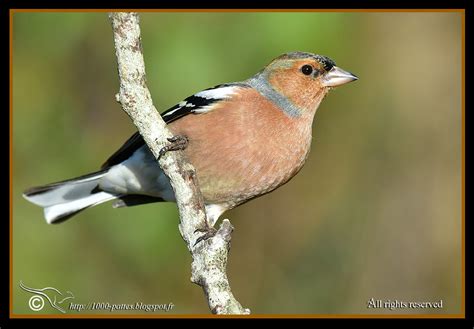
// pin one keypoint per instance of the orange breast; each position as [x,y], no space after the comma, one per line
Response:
[243,148]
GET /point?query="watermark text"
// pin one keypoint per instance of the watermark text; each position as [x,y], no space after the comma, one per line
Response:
[400,304]
[112,307]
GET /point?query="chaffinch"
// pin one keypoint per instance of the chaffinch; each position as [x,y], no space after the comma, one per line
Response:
[245,139]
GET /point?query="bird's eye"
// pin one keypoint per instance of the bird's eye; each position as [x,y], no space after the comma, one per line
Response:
[307,69]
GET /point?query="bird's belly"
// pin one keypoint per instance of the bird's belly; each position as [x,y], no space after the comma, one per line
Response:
[238,161]
[232,180]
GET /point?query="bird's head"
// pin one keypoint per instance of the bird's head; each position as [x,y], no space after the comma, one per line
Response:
[304,78]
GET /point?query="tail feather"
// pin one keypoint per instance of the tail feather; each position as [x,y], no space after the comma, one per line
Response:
[64,199]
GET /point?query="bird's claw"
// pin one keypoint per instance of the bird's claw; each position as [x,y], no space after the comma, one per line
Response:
[177,143]
[209,232]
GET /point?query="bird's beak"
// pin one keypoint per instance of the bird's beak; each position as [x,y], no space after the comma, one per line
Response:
[337,76]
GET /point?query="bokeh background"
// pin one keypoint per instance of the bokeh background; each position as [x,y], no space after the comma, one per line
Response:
[375,212]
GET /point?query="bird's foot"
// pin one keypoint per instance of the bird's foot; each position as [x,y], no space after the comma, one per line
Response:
[177,143]
[209,232]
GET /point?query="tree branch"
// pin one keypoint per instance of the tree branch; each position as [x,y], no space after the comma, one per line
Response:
[209,256]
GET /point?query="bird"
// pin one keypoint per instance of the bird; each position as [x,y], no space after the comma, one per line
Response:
[245,139]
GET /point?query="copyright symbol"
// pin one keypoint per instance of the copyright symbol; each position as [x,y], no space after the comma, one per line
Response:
[36,303]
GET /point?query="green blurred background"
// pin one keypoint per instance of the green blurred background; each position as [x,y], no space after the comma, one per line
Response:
[375,212]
